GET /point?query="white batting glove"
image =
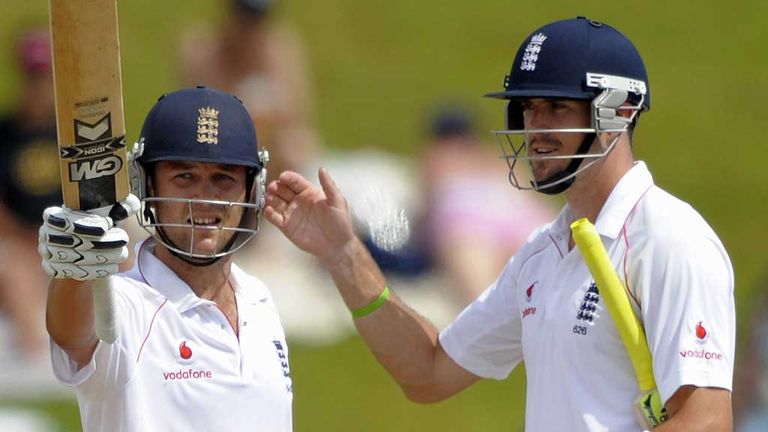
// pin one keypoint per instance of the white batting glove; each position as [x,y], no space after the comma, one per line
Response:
[84,245]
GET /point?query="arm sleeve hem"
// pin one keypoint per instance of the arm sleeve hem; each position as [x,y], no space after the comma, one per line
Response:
[472,364]
[693,377]
[65,369]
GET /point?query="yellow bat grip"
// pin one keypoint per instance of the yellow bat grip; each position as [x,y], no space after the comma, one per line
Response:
[616,300]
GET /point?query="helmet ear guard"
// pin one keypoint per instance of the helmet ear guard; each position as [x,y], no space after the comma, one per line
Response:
[616,92]
[605,108]
[136,173]
[256,195]
[260,180]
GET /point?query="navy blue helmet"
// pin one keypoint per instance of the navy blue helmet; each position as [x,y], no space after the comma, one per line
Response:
[577,59]
[199,125]
[181,127]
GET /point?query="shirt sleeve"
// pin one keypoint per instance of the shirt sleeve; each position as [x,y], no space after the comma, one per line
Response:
[685,285]
[485,339]
[111,363]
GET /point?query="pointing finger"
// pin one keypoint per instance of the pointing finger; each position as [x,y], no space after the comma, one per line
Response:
[332,191]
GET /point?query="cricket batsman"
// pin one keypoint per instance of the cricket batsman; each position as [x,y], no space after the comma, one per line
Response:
[573,98]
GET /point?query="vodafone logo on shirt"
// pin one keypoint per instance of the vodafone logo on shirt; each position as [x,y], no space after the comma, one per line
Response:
[529,291]
[185,355]
[182,375]
[530,310]
[185,352]
[701,335]
[701,354]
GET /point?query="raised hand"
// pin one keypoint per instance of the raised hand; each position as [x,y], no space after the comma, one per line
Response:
[316,220]
[84,245]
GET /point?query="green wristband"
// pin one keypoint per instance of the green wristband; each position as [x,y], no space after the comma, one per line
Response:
[372,306]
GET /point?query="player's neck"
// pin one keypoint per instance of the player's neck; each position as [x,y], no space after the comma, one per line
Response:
[208,282]
[588,194]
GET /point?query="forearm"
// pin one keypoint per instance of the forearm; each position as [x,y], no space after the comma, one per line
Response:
[405,344]
[699,409]
[69,318]
[402,341]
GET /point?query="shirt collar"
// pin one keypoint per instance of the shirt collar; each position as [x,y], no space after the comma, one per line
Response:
[161,278]
[623,198]
[256,292]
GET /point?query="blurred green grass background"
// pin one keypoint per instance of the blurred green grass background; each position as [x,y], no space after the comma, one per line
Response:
[377,66]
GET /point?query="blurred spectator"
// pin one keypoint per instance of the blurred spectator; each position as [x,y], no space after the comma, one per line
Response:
[386,201]
[475,221]
[263,63]
[750,396]
[29,182]
[387,210]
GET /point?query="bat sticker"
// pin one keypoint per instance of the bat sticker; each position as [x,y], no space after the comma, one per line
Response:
[94,168]
[91,149]
[86,132]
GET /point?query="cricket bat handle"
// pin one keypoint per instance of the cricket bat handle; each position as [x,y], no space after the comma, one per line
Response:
[616,300]
[649,410]
[104,309]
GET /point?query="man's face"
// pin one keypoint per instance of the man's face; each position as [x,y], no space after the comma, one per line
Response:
[202,181]
[539,113]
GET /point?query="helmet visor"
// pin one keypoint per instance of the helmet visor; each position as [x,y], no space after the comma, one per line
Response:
[200,228]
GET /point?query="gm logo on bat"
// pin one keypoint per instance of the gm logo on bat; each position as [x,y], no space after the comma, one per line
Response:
[94,168]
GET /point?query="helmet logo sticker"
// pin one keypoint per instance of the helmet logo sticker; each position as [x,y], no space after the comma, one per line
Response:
[532,51]
[208,126]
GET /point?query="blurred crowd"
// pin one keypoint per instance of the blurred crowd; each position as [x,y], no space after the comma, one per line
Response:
[441,222]
[29,182]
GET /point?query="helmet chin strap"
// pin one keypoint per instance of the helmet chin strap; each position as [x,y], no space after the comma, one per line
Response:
[555,189]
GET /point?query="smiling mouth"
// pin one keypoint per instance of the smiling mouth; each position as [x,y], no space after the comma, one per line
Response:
[544,146]
[544,151]
[205,222]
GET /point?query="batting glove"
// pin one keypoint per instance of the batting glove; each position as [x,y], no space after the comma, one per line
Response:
[84,245]
[649,410]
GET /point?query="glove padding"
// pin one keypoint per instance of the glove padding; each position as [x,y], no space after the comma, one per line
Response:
[84,245]
[649,410]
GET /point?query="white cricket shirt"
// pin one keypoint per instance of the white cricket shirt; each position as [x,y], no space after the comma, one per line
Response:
[177,365]
[545,310]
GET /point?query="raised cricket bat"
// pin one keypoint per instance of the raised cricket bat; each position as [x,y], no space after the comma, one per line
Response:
[89,118]
[648,408]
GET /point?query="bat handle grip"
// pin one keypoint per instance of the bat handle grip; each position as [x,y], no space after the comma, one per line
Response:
[104,310]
